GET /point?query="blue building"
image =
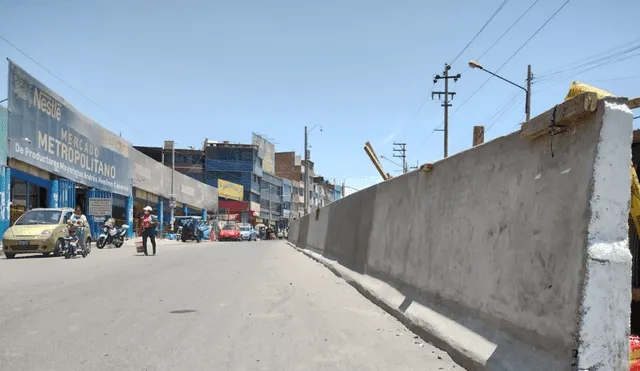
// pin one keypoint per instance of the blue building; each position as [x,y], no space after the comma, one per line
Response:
[236,163]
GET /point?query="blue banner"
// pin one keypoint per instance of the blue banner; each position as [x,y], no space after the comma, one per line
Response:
[47,132]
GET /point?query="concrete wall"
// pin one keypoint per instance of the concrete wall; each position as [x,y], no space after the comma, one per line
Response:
[533,246]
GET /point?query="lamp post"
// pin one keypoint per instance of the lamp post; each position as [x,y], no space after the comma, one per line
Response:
[527,90]
[306,166]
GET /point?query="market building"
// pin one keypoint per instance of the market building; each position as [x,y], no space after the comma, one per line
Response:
[57,157]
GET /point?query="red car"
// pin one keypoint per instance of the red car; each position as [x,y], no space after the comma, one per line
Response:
[230,232]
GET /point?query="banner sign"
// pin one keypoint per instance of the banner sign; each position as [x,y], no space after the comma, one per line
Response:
[100,206]
[231,191]
[47,132]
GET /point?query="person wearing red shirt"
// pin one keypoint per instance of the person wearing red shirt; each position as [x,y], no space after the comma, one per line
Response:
[148,224]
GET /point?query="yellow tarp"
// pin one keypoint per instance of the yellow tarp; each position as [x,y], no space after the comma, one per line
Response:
[578,88]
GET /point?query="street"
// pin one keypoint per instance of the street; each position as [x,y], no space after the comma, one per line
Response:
[210,306]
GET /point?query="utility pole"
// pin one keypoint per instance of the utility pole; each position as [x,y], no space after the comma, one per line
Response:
[402,149]
[446,103]
[306,172]
[528,103]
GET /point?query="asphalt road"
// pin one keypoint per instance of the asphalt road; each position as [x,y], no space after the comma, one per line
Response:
[210,306]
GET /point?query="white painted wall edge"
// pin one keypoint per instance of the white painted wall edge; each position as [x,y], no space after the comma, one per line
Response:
[603,337]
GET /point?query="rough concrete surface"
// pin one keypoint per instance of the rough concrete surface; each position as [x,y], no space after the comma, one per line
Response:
[522,243]
[604,333]
[209,306]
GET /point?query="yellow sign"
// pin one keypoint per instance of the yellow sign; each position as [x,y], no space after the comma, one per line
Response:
[230,190]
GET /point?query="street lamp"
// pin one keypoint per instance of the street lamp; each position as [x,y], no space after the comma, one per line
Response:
[527,90]
[306,166]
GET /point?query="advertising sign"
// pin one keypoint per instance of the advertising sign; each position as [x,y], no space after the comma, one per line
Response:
[269,150]
[231,191]
[47,132]
[100,206]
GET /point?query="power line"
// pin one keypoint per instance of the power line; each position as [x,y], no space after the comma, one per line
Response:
[482,55]
[618,78]
[480,31]
[63,81]
[508,107]
[508,30]
[579,69]
[512,56]
[597,57]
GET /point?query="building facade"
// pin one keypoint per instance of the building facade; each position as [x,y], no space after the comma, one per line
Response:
[235,163]
[271,199]
[289,166]
[57,157]
[188,161]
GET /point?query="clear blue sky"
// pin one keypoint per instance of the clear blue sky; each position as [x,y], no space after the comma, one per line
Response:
[191,69]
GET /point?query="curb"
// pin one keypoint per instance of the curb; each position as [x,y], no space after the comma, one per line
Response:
[468,362]
[467,349]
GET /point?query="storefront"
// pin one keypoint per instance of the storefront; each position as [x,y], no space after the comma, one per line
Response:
[59,158]
[56,156]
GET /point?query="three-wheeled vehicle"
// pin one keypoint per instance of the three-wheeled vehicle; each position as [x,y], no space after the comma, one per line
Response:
[189,228]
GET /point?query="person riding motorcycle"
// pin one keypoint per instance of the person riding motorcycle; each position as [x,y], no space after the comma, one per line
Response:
[79,221]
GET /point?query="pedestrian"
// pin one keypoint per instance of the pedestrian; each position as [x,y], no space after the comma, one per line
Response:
[79,221]
[148,225]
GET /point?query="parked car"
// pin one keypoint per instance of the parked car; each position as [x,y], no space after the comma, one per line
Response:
[230,232]
[248,233]
[38,231]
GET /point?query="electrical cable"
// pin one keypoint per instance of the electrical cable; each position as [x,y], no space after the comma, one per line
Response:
[508,30]
[512,56]
[480,31]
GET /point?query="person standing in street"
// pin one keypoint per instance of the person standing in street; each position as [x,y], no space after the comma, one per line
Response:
[148,225]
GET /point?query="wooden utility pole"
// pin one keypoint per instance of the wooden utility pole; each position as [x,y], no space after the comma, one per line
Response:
[478,135]
[446,103]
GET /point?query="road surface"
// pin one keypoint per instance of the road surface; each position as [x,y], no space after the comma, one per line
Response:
[210,306]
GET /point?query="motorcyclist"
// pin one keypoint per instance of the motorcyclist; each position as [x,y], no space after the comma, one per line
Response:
[79,221]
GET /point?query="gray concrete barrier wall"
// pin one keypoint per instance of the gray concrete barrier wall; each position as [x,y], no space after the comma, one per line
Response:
[294,227]
[508,235]
[318,229]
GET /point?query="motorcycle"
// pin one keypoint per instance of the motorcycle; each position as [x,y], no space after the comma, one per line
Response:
[179,234]
[72,247]
[113,236]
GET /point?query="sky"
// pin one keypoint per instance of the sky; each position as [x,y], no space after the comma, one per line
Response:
[360,70]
